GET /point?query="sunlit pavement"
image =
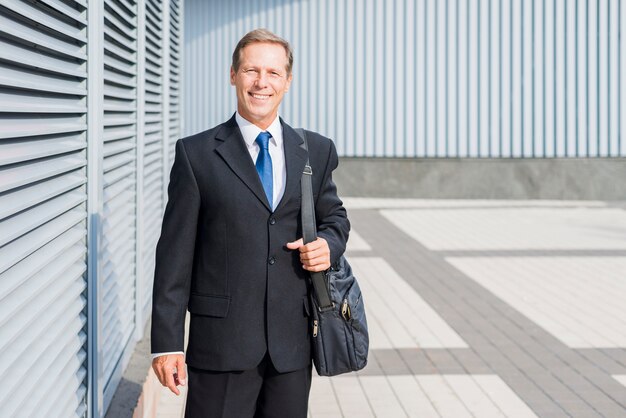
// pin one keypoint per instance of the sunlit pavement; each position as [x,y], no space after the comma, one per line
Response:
[484,309]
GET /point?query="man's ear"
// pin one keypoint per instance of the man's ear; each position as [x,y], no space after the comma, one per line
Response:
[232,76]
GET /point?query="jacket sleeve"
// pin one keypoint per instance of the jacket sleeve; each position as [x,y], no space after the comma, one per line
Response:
[174,257]
[331,217]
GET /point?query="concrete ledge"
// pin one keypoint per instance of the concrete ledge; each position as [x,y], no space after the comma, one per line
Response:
[482,178]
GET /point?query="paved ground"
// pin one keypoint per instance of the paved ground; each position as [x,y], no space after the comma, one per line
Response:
[484,309]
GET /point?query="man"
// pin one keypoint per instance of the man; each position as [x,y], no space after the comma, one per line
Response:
[231,251]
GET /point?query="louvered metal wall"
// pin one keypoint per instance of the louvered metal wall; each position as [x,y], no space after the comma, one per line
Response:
[119,186]
[429,78]
[175,64]
[43,216]
[83,156]
[153,148]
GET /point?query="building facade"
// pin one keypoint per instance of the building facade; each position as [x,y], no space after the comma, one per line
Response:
[90,110]
[430,78]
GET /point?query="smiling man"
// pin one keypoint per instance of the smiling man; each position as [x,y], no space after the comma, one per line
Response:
[231,252]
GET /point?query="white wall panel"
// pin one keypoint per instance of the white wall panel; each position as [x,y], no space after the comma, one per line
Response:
[426,78]
[43,227]
[175,64]
[118,255]
[90,111]
[152,150]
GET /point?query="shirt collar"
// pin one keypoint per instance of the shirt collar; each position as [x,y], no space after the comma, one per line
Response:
[250,131]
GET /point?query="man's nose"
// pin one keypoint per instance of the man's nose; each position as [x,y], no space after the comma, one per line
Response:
[261,80]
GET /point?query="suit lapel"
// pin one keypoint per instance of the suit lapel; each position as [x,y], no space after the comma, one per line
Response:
[295,159]
[233,150]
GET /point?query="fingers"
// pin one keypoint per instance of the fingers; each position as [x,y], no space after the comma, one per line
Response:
[322,266]
[315,256]
[158,364]
[313,253]
[170,382]
[319,263]
[182,371]
[170,370]
[314,245]
[295,244]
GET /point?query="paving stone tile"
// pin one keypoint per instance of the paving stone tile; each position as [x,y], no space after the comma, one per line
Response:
[617,355]
[510,228]
[351,397]
[578,409]
[550,412]
[443,397]
[356,242]
[602,359]
[417,361]
[471,362]
[412,397]
[391,362]
[444,362]
[381,397]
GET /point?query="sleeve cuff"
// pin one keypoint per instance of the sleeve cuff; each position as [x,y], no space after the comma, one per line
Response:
[155,355]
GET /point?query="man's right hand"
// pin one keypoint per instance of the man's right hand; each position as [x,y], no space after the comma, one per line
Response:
[170,370]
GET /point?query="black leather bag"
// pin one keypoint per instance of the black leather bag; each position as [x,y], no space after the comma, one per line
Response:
[339,327]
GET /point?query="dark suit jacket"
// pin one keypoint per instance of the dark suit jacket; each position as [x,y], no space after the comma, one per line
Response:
[222,254]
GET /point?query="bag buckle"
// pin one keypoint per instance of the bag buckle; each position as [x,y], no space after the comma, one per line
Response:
[326,308]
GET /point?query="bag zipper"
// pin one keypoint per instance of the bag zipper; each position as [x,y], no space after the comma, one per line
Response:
[315,325]
[345,310]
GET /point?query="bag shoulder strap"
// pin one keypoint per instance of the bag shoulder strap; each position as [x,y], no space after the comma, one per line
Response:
[309,227]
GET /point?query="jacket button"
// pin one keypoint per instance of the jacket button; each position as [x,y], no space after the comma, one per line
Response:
[272,260]
[272,221]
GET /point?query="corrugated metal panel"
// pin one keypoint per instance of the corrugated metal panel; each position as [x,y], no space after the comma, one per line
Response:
[153,147]
[43,208]
[429,78]
[118,253]
[49,177]
[175,46]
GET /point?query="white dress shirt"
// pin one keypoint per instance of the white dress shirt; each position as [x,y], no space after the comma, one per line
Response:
[250,131]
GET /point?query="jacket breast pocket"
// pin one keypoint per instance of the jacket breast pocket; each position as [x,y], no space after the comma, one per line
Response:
[209,305]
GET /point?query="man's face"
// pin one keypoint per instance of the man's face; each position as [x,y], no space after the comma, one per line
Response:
[261,82]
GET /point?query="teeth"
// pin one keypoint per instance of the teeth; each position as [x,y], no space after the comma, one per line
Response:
[259,96]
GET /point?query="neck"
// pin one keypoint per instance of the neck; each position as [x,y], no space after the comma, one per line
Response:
[262,124]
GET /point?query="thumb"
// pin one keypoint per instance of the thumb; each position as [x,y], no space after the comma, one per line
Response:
[294,245]
[181,370]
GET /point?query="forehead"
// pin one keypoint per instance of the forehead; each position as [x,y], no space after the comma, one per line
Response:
[264,53]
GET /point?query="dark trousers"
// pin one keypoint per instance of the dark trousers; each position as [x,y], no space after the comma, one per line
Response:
[262,392]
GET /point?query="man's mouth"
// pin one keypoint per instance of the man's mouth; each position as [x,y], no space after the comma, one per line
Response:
[260,96]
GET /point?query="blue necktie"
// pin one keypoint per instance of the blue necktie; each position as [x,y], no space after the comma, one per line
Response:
[264,166]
